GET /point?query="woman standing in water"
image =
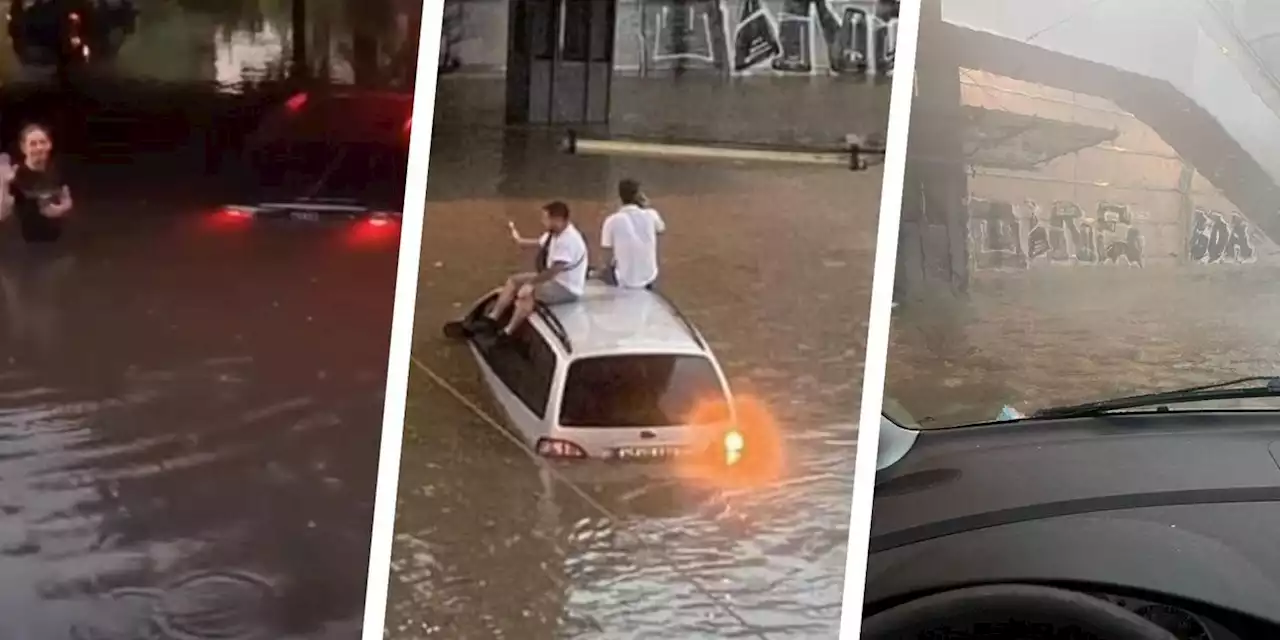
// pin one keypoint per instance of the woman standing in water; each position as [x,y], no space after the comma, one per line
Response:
[35,193]
[40,197]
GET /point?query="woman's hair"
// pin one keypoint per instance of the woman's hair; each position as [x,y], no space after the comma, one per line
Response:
[30,128]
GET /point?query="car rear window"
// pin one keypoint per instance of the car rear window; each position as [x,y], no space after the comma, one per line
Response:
[291,165]
[369,171]
[349,120]
[637,390]
[362,171]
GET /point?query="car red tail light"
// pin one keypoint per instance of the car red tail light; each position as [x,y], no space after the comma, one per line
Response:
[237,212]
[552,448]
[296,102]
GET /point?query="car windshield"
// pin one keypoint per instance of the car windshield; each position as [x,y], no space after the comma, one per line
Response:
[366,172]
[1091,206]
[637,390]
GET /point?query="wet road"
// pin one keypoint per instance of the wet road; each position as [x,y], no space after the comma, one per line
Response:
[1049,337]
[190,411]
[774,265]
[191,417]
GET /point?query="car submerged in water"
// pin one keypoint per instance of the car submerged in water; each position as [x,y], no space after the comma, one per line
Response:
[324,157]
[619,376]
[1137,518]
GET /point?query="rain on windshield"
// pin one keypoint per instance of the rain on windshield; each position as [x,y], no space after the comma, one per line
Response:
[1090,205]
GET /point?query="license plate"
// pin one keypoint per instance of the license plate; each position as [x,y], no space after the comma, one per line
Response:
[305,216]
[648,453]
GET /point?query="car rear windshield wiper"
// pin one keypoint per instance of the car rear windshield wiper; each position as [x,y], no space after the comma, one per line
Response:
[1240,388]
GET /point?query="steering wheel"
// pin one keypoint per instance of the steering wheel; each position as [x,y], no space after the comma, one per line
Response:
[1010,612]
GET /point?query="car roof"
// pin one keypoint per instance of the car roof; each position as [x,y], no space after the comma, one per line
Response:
[349,116]
[612,321]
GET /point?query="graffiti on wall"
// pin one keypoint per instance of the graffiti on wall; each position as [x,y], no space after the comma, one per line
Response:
[1217,239]
[857,37]
[781,36]
[1004,236]
[687,33]
[996,235]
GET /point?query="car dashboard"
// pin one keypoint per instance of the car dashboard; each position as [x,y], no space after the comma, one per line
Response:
[1139,510]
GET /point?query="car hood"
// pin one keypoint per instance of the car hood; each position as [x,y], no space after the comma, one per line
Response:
[957,480]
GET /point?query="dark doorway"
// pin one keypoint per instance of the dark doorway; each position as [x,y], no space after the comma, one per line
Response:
[560,61]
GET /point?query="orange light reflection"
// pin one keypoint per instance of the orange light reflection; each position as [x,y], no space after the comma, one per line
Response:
[761,460]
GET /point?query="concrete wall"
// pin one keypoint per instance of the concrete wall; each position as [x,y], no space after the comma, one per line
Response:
[1192,44]
[1129,202]
[786,111]
[718,99]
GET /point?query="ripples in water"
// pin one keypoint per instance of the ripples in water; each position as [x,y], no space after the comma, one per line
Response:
[69,549]
[179,468]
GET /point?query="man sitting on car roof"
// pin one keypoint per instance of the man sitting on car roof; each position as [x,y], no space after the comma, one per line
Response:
[561,275]
[629,238]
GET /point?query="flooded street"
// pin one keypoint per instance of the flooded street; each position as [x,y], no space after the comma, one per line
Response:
[1118,238]
[774,266]
[190,408]
[187,450]
[1057,336]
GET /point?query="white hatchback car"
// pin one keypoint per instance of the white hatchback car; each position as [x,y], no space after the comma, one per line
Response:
[620,375]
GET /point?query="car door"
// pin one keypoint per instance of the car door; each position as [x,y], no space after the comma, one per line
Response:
[523,369]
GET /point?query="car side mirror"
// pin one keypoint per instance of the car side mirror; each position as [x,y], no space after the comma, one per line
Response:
[895,442]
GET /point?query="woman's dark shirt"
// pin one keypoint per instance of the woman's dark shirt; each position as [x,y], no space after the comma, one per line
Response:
[30,189]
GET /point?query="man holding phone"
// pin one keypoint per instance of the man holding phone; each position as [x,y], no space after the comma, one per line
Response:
[629,238]
[560,276]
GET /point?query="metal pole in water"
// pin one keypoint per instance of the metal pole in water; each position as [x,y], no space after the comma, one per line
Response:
[853,154]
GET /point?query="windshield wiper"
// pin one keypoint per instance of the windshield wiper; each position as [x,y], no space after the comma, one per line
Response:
[1240,388]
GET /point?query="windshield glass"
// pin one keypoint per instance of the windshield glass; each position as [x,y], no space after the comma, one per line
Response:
[637,391]
[1091,205]
[366,172]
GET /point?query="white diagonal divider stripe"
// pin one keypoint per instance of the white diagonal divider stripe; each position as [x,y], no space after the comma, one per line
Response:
[864,473]
[415,200]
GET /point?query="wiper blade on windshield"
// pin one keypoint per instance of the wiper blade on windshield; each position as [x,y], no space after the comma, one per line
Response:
[1255,387]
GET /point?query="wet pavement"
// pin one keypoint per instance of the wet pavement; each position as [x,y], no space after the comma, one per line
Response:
[1048,337]
[190,407]
[182,434]
[773,263]
[191,417]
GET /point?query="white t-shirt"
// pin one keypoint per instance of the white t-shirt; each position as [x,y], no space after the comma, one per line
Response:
[632,233]
[569,247]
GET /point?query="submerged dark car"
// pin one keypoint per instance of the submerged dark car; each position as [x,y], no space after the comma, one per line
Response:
[1128,519]
[339,157]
